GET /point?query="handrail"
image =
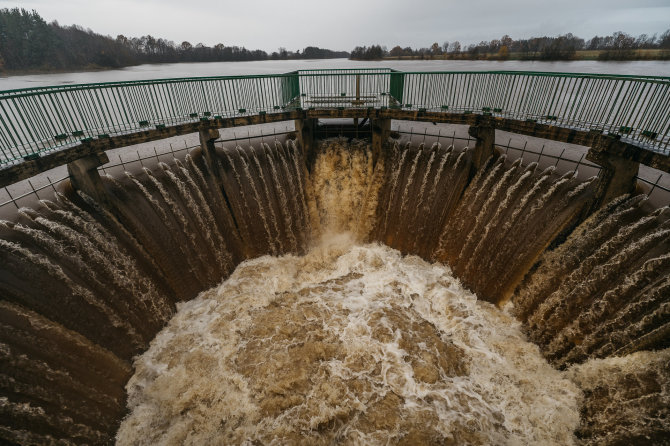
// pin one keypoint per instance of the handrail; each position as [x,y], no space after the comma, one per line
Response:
[38,120]
[325,72]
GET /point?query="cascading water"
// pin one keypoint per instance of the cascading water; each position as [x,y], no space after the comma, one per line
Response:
[348,344]
[392,347]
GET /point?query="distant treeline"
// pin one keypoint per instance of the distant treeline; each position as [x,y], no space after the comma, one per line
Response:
[28,43]
[618,46]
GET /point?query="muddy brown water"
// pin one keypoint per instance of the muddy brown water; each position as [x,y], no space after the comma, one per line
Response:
[86,288]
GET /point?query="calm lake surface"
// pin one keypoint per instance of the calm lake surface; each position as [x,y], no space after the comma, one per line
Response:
[161,71]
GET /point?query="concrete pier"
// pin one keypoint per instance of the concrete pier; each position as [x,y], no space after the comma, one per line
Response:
[207,137]
[305,130]
[381,129]
[485,134]
[84,175]
[619,170]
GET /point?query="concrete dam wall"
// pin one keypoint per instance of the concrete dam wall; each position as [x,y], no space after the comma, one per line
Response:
[87,284]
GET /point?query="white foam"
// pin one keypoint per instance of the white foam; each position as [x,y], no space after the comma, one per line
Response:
[187,388]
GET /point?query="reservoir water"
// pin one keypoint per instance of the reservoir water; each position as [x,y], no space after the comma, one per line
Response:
[162,71]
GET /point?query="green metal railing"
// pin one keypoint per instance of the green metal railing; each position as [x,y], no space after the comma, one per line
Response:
[634,107]
[344,88]
[37,120]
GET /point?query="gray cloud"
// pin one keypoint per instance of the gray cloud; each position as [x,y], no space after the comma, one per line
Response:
[343,24]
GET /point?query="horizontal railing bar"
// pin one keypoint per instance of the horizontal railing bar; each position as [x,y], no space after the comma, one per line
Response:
[439,136]
[555,157]
[651,183]
[460,138]
[33,191]
[530,151]
[241,138]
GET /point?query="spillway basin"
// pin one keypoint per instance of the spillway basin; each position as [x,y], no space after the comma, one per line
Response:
[353,344]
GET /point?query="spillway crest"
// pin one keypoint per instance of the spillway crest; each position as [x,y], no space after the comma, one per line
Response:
[322,337]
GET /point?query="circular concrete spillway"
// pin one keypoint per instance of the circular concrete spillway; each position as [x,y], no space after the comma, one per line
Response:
[87,285]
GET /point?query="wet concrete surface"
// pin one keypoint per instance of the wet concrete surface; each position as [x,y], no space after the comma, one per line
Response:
[564,157]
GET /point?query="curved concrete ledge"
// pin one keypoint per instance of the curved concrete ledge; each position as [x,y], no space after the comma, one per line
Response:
[602,144]
[87,283]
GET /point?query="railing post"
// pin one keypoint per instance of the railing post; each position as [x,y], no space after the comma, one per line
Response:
[485,133]
[619,169]
[358,100]
[84,175]
[396,87]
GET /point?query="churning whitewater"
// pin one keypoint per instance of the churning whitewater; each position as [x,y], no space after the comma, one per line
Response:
[354,344]
[341,342]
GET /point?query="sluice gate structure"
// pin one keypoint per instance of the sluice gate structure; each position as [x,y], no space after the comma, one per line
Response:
[88,279]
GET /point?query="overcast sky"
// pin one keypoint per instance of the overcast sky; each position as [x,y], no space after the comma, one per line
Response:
[344,24]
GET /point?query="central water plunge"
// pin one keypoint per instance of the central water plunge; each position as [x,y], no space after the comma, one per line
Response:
[318,336]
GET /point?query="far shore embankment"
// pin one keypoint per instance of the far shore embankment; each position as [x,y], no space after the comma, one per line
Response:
[599,55]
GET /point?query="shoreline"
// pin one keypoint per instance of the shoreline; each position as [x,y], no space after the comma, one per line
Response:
[28,72]
[594,55]
[92,69]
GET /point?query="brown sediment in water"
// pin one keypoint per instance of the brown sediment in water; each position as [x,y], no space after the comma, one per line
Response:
[348,344]
[86,288]
[619,391]
[287,354]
